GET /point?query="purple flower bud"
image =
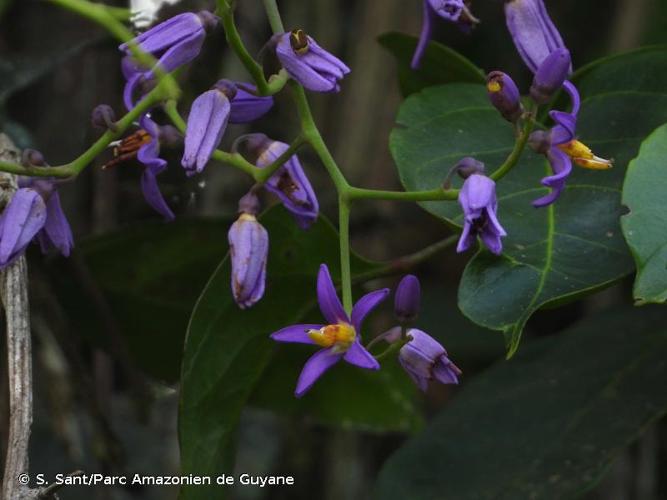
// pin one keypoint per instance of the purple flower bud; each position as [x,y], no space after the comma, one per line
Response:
[170,136]
[249,204]
[103,117]
[504,95]
[406,300]
[308,63]
[469,166]
[32,158]
[540,141]
[550,75]
[479,203]
[425,359]
[534,33]
[248,107]
[248,249]
[290,185]
[175,42]
[206,126]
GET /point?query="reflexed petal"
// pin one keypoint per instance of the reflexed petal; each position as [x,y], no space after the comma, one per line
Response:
[574,97]
[561,164]
[424,36]
[129,90]
[365,305]
[295,333]
[247,107]
[22,219]
[56,232]
[314,368]
[206,125]
[330,305]
[152,194]
[532,30]
[357,355]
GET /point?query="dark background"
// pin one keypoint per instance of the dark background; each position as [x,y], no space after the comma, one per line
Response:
[55,68]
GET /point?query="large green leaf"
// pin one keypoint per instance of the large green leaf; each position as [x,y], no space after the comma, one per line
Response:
[228,350]
[545,424]
[645,227]
[554,254]
[440,64]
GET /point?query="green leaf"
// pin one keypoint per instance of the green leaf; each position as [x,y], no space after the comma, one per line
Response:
[545,424]
[150,274]
[553,254]
[440,64]
[228,350]
[645,227]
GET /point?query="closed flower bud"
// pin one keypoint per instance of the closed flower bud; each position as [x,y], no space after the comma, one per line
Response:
[407,298]
[504,95]
[540,141]
[103,117]
[424,359]
[468,166]
[32,158]
[248,249]
[550,75]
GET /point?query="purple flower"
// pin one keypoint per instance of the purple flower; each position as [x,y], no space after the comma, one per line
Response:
[561,148]
[248,249]
[149,155]
[479,203]
[174,42]
[551,75]
[407,298]
[290,184]
[424,359]
[535,35]
[34,212]
[340,338]
[454,11]
[504,95]
[308,63]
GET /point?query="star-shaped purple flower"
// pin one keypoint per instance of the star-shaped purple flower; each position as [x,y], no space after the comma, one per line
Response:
[340,338]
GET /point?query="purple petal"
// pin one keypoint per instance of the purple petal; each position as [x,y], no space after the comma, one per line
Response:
[22,219]
[365,305]
[182,52]
[295,333]
[574,96]
[167,33]
[424,36]
[56,232]
[357,355]
[467,237]
[154,165]
[561,164]
[247,107]
[422,382]
[206,125]
[478,191]
[314,368]
[446,372]
[565,129]
[532,30]
[330,305]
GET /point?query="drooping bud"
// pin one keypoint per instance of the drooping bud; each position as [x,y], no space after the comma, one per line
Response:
[504,95]
[407,298]
[248,250]
[425,359]
[249,204]
[468,166]
[480,205]
[103,117]
[32,158]
[550,75]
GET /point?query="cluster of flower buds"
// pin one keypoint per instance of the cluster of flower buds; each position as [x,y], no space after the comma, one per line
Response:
[34,212]
[422,357]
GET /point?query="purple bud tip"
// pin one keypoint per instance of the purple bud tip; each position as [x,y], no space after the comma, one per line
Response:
[468,166]
[32,157]
[170,136]
[540,141]
[504,95]
[226,87]
[251,145]
[550,75]
[208,19]
[249,204]
[407,298]
[103,117]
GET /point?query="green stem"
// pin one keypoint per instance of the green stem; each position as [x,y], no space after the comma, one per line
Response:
[274,16]
[226,12]
[395,347]
[513,158]
[438,194]
[344,236]
[75,167]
